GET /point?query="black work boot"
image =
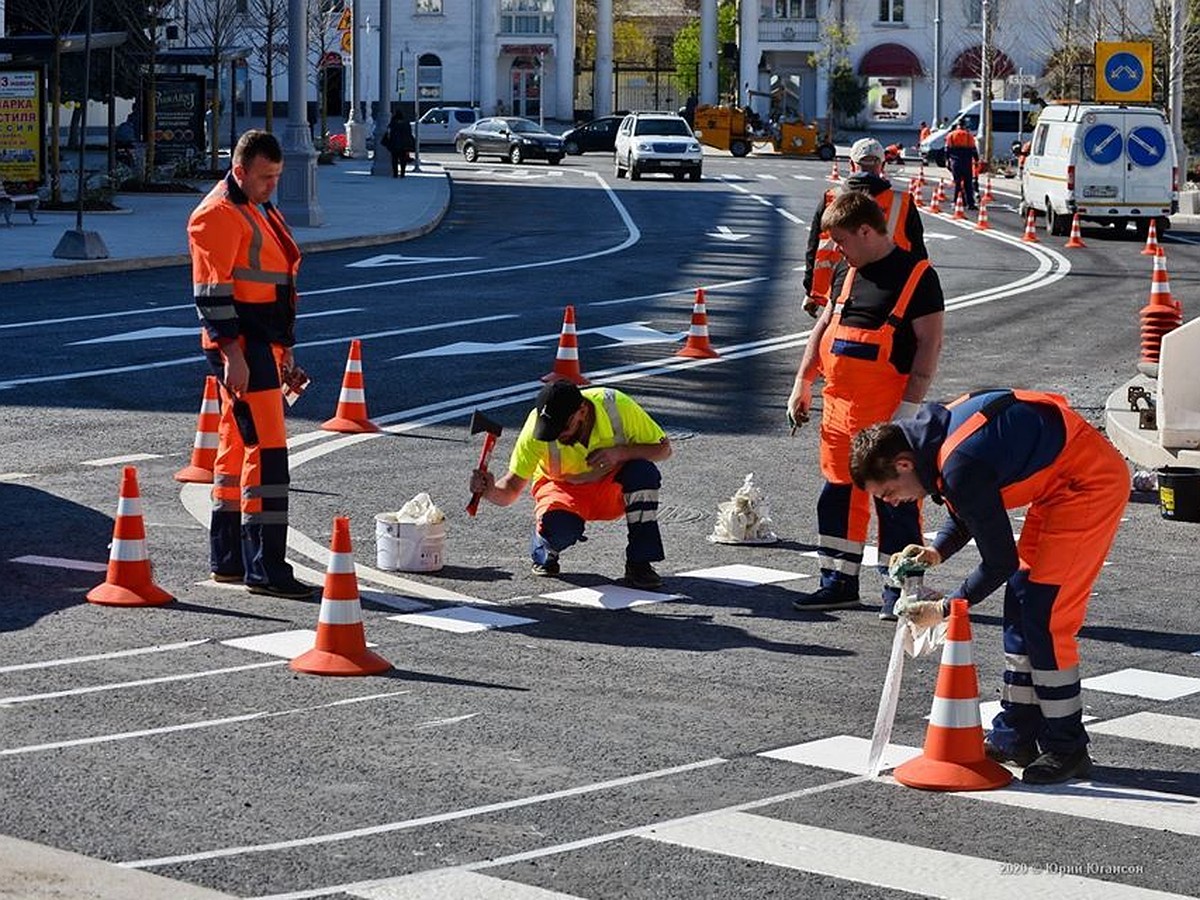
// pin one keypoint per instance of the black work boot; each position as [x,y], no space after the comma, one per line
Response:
[1021,755]
[1054,768]
[838,595]
[641,575]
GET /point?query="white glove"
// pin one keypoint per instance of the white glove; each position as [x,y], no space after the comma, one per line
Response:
[923,556]
[906,410]
[922,614]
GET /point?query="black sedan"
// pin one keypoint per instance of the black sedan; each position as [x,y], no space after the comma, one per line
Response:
[597,135]
[510,138]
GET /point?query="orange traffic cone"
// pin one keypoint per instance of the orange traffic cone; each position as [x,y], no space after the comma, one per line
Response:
[959,211]
[987,191]
[981,223]
[351,413]
[204,447]
[935,202]
[834,174]
[341,646]
[953,758]
[1151,248]
[916,186]
[1075,239]
[566,360]
[1030,235]
[130,581]
[1161,315]
[697,340]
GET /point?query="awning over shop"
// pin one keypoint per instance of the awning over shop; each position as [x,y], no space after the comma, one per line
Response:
[966,64]
[894,60]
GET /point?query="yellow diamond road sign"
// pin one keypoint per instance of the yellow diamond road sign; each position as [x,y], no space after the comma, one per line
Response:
[1123,71]
[345,23]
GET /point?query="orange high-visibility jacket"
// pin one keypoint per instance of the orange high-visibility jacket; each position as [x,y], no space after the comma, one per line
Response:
[244,265]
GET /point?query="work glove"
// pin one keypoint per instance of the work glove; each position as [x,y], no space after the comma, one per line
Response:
[921,615]
[906,410]
[910,558]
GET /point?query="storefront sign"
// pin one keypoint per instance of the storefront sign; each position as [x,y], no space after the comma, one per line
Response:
[890,99]
[22,150]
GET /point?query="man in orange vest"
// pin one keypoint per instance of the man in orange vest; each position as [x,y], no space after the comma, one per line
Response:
[822,258]
[877,346]
[982,455]
[962,156]
[244,264]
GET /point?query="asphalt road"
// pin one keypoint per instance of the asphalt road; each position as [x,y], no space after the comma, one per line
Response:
[587,752]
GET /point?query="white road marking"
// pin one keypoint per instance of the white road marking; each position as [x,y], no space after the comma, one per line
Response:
[610,596]
[742,575]
[1143,683]
[462,619]
[724,233]
[1175,731]
[95,657]
[841,753]
[121,460]
[286,644]
[869,560]
[192,726]
[395,259]
[15,476]
[437,818]
[456,884]
[192,331]
[57,562]
[795,220]
[141,682]
[920,871]
[624,333]
[442,723]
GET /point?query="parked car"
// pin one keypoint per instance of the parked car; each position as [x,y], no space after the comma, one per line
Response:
[598,135]
[511,138]
[442,124]
[657,142]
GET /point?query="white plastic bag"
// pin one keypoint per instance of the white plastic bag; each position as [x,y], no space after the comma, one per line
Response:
[420,510]
[744,518]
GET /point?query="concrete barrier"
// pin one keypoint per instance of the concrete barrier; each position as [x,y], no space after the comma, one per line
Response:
[1178,403]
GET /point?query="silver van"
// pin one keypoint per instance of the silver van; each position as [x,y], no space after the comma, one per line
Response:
[1012,121]
[441,124]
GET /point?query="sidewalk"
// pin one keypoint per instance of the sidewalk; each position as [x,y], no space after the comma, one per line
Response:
[358,210]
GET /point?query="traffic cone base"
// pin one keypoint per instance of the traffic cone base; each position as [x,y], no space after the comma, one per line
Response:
[566,357]
[698,346]
[351,417]
[332,662]
[129,580]
[953,758]
[204,447]
[147,594]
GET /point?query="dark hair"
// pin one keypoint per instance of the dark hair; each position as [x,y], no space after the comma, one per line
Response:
[254,143]
[873,453]
[851,210]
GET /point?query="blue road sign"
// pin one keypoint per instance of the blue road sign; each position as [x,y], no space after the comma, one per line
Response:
[1146,146]
[1102,143]
[1124,72]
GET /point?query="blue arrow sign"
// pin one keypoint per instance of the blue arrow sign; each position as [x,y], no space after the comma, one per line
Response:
[1102,143]
[1124,72]
[1146,146]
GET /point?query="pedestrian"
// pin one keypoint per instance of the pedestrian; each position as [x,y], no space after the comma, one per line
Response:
[962,156]
[398,139]
[591,456]
[981,455]
[903,223]
[689,110]
[877,345]
[244,265]
[923,132]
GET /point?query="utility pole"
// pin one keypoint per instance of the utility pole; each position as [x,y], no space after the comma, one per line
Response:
[298,184]
[937,63]
[985,76]
[381,165]
[356,132]
[1176,82]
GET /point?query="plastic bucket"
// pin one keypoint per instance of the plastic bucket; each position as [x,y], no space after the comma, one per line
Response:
[1179,493]
[408,546]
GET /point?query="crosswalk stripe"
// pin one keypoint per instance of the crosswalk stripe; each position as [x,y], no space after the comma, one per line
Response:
[902,867]
[1144,683]
[455,884]
[1176,731]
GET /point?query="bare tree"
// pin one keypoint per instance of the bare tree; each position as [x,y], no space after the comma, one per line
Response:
[215,24]
[268,35]
[322,17]
[144,19]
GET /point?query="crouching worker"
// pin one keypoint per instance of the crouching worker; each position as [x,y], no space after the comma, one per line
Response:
[591,455]
[982,455]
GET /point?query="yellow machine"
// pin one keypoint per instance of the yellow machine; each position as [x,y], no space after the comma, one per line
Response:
[728,128]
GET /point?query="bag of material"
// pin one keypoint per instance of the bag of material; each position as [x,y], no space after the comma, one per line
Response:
[744,518]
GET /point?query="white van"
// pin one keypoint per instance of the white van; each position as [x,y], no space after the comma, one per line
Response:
[1012,120]
[1111,164]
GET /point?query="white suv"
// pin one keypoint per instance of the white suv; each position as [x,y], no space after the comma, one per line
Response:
[657,142]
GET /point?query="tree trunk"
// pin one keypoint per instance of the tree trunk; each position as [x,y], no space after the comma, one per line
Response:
[55,121]
[270,84]
[215,125]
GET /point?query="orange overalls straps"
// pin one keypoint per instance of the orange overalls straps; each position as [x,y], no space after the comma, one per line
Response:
[1075,506]
[895,208]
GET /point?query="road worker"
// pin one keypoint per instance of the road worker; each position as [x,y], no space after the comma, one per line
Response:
[821,274]
[877,346]
[962,156]
[982,455]
[591,456]
[244,265]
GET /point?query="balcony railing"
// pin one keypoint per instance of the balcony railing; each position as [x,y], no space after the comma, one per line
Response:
[526,23]
[787,31]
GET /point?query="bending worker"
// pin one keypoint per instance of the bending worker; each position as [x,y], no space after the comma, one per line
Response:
[984,454]
[591,455]
[244,264]
[962,156]
[878,347]
[903,223]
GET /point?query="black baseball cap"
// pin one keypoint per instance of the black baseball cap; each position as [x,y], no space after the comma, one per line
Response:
[556,403]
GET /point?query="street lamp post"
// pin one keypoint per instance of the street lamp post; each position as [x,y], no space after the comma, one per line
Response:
[356,132]
[381,165]
[298,184]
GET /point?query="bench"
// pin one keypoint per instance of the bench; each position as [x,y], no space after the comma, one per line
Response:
[10,202]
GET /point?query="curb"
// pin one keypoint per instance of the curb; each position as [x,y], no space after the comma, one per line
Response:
[1140,446]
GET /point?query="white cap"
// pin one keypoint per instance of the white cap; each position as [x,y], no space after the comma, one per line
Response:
[865,147]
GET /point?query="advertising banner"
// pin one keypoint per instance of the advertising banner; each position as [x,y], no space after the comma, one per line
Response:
[22,143]
[890,99]
[179,108]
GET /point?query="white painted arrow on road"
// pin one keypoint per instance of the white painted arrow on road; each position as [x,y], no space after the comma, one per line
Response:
[621,333]
[938,236]
[394,259]
[723,232]
[192,331]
